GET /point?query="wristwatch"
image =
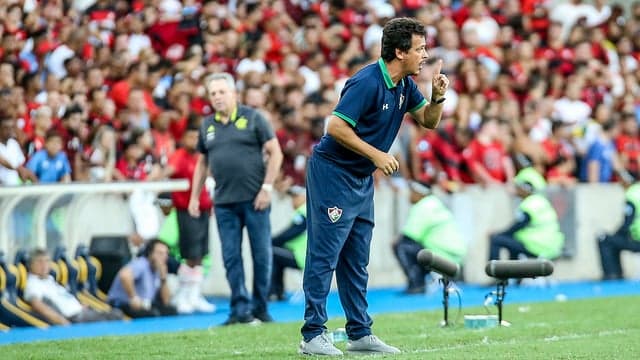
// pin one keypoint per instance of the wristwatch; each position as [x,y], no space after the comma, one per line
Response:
[438,101]
[267,187]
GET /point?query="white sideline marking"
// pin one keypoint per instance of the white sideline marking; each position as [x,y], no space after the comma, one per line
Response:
[485,340]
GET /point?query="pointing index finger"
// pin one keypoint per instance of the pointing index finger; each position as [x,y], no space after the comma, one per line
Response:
[438,67]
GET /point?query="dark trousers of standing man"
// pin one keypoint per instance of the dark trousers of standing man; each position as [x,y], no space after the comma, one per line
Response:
[231,219]
[610,248]
[339,229]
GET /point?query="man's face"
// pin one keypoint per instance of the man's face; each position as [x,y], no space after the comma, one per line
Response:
[159,255]
[53,145]
[221,96]
[190,140]
[415,57]
[7,129]
[39,266]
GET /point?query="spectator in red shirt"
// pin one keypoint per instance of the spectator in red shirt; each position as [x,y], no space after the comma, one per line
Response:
[163,142]
[488,161]
[131,165]
[425,165]
[73,131]
[193,231]
[294,142]
[560,160]
[137,76]
[628,145]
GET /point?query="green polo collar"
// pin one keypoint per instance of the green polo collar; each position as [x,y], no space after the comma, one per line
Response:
[386,76]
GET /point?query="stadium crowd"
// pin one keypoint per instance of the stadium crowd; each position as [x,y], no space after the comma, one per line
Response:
[533,82]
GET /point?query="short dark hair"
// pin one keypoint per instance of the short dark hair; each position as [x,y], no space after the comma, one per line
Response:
[52,133]
[151,245]
[72,109]
[35,253]
[397,34]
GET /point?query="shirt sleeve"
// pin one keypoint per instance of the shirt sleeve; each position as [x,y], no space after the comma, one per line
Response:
[201,145]
[415,99]
[32,291]
[34,163]
[289,233]
[521,221]
[355,99]
[629,216]
[174,162]
[66,167]
[137,267]
[263,128]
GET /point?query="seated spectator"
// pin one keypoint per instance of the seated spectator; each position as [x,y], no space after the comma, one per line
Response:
[486,157]
[134,163]
[12,170]
[290,245]
[536,231]
[560,160]
[628,144]
[52,301]
[140,288]
[102,155]
[50,165]
[602,161]
[42,121]
[436,232]
[627,237]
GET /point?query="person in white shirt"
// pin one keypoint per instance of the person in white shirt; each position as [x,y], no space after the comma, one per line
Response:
[485,27]
[12,170]
[569,108]
[52,301]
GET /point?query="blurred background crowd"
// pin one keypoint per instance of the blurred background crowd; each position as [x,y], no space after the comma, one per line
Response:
[112,85]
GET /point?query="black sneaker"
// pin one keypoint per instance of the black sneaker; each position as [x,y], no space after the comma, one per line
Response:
[230,321]
[264,316]
[277,297]
[413,290]
[234,319]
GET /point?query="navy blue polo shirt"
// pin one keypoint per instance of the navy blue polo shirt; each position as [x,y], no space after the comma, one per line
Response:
[375,107]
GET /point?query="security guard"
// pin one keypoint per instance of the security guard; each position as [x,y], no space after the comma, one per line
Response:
[627,237]
[536,230]
[290,245]
[429,226]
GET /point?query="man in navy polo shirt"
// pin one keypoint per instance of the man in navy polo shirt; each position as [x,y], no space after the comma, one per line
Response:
[340,184]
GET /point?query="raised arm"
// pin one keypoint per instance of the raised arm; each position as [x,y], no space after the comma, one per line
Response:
[429,115]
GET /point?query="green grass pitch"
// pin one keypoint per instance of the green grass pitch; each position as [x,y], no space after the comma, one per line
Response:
[603,328]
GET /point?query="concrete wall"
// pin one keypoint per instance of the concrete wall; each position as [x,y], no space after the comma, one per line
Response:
[586,210]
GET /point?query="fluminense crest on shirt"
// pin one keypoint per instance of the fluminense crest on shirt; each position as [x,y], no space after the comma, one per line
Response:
[334,213]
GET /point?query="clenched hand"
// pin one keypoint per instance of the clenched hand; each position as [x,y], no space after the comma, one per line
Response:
[386,163]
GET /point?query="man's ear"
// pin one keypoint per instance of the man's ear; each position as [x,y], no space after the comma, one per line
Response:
[400,54]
